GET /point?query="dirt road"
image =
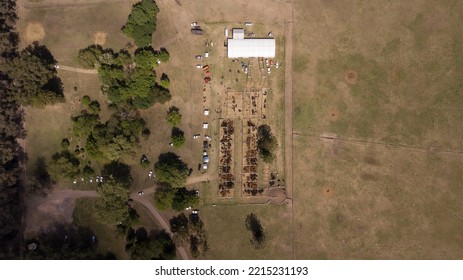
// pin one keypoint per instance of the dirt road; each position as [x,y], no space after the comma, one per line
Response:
[289,118]
[145,201]
[78,70]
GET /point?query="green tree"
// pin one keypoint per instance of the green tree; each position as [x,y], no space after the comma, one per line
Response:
[119,171]
[162,55]
[173,116]
[163,197]
[177,137]
[156,246]
[83,124]
[112,207]
[165,82]
[90,56]
[184,198]
[65,143]
[170,169]
[253,224]
[94,107]
[142,22]
[63,165]
[35,77]
[145,58]
[86,100]
[266,143]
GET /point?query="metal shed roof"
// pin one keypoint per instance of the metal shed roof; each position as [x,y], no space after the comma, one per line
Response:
[238,33]
[251,48]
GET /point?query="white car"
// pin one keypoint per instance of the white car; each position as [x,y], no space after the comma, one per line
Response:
[205,165]
[171,144]
[204,153]
[188,208]
[196,211]
[141,193]
[196,136]
[199,66]
[208,138]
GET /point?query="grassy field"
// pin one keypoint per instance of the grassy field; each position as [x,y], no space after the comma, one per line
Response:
[228,238]
[385,77]
[73,25]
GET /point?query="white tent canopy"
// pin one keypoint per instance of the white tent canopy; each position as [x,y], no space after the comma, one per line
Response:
[251,48]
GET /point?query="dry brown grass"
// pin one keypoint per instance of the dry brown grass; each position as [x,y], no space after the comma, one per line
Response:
[358,77]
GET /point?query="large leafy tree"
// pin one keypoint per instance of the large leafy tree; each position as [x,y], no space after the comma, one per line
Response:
[173,116]
[63,165]
[142,22]
[112,207]
[178,137]
[154,246]
[190,230]
[170,169]
[254,226]
[266,143]
[178,199]
[35,77]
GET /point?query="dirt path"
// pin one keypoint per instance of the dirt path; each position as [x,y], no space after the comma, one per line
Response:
[197,179]
[78,70]
[289,119]
[59,3]
[145,201]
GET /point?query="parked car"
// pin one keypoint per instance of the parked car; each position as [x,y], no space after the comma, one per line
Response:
[205,144]
[196,136]
[141,193]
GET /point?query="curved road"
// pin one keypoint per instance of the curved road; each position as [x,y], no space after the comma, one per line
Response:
[142,199]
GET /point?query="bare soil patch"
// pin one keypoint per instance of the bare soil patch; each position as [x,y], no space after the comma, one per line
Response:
[34,32]
[351,77]
[99,38]
[332,114]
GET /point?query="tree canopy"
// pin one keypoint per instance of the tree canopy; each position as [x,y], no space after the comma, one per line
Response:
[253,225]
[170,169]
[112,207]
[177,137]
[154,246]
[178,199]
[35,77]
[133,79]
[64,165]
[266,143]
[190,230]
[173,116]
[142,22]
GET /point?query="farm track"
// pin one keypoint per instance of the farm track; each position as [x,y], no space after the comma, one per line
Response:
[78,70]
[289,120]
[60,4]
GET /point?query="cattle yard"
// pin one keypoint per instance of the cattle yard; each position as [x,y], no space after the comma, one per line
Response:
[236,94]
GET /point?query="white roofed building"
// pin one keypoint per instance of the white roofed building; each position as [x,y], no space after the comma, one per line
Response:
[238,46]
